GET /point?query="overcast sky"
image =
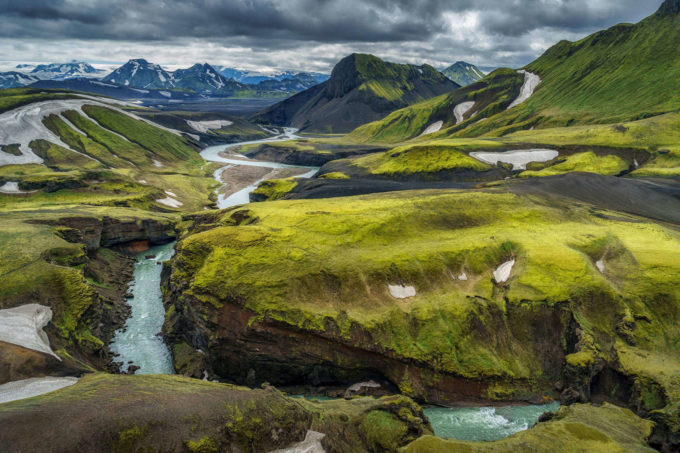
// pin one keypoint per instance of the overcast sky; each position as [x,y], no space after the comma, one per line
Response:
[301,34]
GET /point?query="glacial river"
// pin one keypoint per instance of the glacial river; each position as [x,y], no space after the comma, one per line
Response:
[212,154]
[139,341]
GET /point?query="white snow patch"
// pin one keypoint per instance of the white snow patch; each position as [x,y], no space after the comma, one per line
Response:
[12,187]
[27,388]
[205,126]
[157,164]
[23,326]
[311,444]
[502,274]
[170,193]
[531,81]
[432,128]
[169,201]
[142,181]
[463,277]
[96,82]
[519,158]
[354,388]
[461,109]
[195,137]
[600,266]
[167,94]
[401,291]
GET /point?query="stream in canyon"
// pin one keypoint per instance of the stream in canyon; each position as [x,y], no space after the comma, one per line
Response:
[140,341]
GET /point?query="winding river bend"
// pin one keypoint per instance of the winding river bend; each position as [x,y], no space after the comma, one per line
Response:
[213,154]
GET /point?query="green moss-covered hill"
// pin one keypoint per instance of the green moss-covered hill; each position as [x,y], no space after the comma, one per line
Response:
[174,414]
[590,308]
[362,88]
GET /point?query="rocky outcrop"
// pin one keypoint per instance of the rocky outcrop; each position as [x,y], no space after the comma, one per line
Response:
[109,232]
[174,414]
[298,154]
[17,363]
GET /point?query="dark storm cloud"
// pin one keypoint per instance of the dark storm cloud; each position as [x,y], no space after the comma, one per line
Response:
[315,32]
[317,20]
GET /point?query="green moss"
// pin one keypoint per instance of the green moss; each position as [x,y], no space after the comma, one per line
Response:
[587,162]
[582,359]
[273,189]
[128,438]
[412,159]
[383,430]
[302,263]
[204,445]
[334,175]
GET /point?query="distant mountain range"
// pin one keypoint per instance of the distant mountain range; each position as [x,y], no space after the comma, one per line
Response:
[15,79]
[361,88]
[463,73]
[254,78]
[140,78]
[63,71]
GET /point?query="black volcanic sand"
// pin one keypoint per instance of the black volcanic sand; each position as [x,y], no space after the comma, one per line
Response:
[657,199]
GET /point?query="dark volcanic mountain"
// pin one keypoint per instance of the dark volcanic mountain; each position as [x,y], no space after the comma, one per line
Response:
[362,88]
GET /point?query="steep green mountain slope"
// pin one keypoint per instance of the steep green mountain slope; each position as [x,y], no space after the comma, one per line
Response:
[625,73]
[362,88]
[478,101]
[463,73]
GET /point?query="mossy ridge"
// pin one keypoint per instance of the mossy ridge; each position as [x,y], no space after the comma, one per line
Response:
[578,427]
[433,158]
[375,240]
[273,189]
[182,413]
[17,97]
[588,162]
